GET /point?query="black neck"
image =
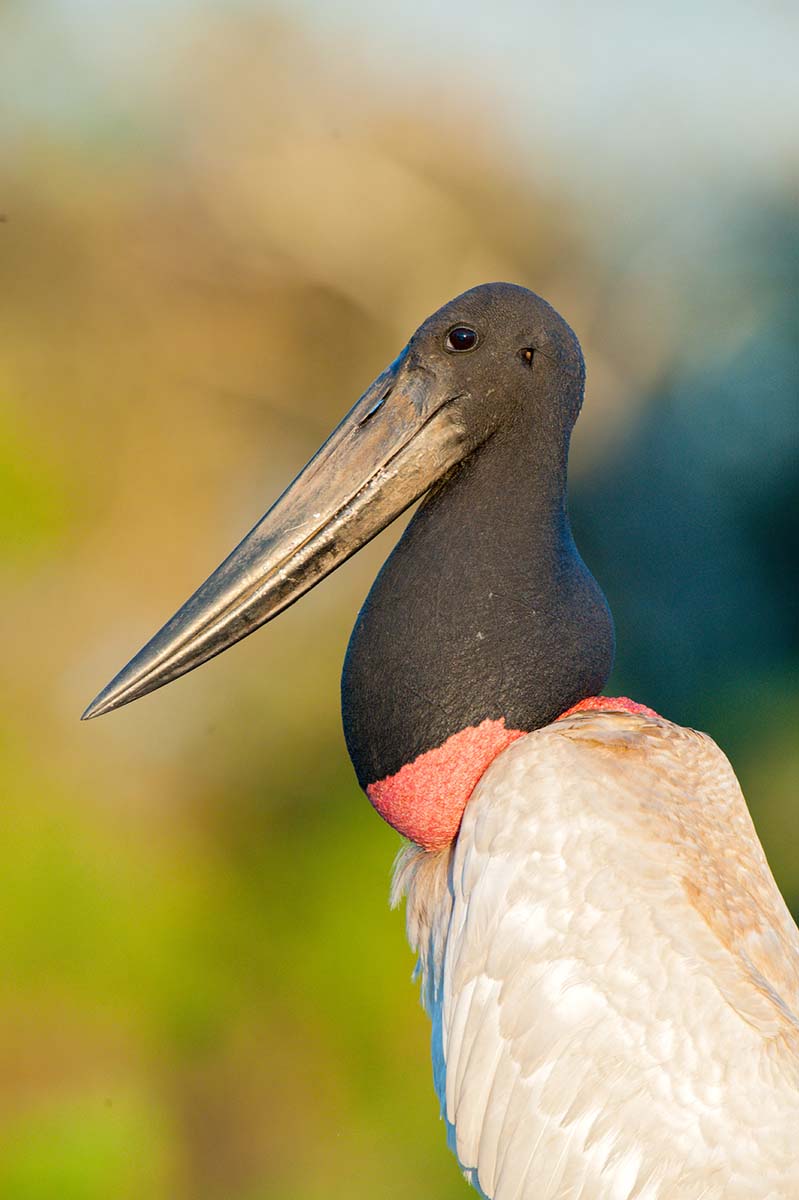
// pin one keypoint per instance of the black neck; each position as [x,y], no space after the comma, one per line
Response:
[483,610]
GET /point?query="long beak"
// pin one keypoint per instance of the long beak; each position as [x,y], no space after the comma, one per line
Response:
[401,437]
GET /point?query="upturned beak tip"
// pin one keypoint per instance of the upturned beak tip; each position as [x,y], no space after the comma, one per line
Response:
[112,696]
[96,709]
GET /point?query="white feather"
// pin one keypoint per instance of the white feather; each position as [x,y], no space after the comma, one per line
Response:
[612,975]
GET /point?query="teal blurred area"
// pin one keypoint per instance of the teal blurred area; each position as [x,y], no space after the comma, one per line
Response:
[219,222]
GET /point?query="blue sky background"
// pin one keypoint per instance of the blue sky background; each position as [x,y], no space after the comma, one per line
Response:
[638,87]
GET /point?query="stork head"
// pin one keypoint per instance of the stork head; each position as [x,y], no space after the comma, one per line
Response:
[476,411]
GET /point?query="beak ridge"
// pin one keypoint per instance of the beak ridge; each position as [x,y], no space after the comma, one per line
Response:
[399,439]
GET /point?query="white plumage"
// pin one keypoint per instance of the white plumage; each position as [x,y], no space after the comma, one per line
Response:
[611,973]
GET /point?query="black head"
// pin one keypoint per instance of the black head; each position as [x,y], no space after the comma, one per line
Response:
[485,610]
[507,356]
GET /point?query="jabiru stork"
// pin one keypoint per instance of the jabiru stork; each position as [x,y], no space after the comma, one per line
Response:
[610,970]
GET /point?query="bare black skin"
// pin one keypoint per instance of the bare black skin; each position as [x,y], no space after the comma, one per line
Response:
[485,608]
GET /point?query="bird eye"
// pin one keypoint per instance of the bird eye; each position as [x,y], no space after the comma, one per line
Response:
[527,354]
[461,338]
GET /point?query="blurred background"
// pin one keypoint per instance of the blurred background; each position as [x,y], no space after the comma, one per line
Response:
[218,221]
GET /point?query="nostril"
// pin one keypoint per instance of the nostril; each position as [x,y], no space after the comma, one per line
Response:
[376,407]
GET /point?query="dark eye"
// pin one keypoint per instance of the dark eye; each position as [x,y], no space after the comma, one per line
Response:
[527,354]
[461,338]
